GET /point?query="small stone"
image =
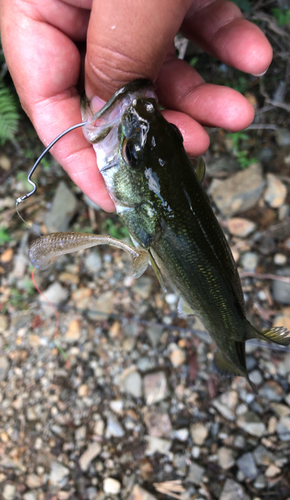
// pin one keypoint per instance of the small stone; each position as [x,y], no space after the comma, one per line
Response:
[157,423]
[64,206]
[73,332]
[103,306]
[238,226]
[5,162]
[57,473]
[282,137]
[117,406]
[195,473]
[251,423]
[226,458]
[181,434]
[239,192]
[3,323]
[33,481]
[93,262]
[281,289]
[224,410]
[143,287]
[7,255]
[260,482]
[283,367]
[199,433]
[256,377]
[276,192]
[249,261]
[263,456]
[177,356]
[111,486]
[56,294]
[247,465]
[155,333]
[272,391]
[139,493]
[155,387]
[80,433]
[92,451]
[283,428]
[233,491]
[30,495]
[132,384]
[280,259]
[114,429]
[272,471]
[157,445]
[9,491]
[31,414]
[4,367]
[83,390]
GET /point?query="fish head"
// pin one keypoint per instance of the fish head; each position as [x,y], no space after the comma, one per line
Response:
[134,145]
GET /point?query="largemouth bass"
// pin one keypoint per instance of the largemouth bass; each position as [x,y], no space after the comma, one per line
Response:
[160,199]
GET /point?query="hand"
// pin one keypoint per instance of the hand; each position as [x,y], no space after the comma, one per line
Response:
[126,39]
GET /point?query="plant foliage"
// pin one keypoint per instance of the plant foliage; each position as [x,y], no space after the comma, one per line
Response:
[9,115]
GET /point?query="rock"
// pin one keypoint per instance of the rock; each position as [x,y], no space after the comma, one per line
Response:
[280,259]
[9,492]
[260,482]
[5,162]
[30,495]
[199,433]
[247,465]
[4,367]
[251,423]
[93,262]
[143,287]
[3,323]
[224,410]
[283,428]
[155,387]
[157,445]
[80,433]
[233,491]
[265,155]
[222,166]
[62,210]
[132,384]
[177,356]
[92,451]
[272,471]
[281,289]
[226,458]
[111,486]
[280,410]
[114,429]
[276,192]
[195,473]
[158,423]
[272,391]
[139,494]
[7,255]
[240,192]
[282,137]
[181,434]
[249,261]
[33,481]
[256,377]
[238,226]
[73,332]
[56,294]
[57,473]
[103,306]
[155,333]
[283,367]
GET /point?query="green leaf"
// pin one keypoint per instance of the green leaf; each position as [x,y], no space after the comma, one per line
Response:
[9,116]
[243,5]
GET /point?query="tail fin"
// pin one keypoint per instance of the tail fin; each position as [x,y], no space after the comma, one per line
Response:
[277,334]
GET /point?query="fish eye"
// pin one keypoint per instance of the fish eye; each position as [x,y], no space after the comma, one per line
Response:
[178,131]
[131,153]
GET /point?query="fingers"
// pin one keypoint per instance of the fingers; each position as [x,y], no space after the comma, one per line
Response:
[195,138]
[218,27]
[181,88]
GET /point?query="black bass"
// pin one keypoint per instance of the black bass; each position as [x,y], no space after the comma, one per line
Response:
[160,199]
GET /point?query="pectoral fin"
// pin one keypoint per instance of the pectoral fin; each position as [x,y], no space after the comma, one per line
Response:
[157,272]
[200,169]
[184,309]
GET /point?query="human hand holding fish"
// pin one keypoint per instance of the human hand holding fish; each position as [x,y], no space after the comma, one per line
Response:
[125,40]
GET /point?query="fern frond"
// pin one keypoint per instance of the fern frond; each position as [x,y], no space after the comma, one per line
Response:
[9,116]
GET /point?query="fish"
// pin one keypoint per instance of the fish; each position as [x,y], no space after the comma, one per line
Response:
[160,199]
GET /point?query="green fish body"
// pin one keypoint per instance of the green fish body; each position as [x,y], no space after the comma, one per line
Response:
[159,197]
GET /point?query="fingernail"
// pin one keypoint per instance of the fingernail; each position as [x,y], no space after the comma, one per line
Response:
[97,103]
[260,74]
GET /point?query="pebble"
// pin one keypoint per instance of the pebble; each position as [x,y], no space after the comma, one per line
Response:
[181,434]
[63,208]
[260,482]
[57,473]
[155,387]
[132,384]
[4,367]
[272,391]
[111,486]
[5,162]
[199,433]
[281,410]
[139,493]
[283,428]
[93,262]
[239,192]
[7,255]
[3,323]
[272,471]
[223,165]
[282,137]
[30,495]
[256,377]
[281,289]
[114,428]
[238,226]
[226,457]
[92,451]
[157,445]
[155,333]
[103,306]
[158,423]
[56,294]
[9,491]
[247,466]
[177,356]
[73,332]
[283,368]
[233,491]
[280,259]
[195,473]
[276,192]
[249,261]
[33,481]
[143,287]
[224,410]
[251,423]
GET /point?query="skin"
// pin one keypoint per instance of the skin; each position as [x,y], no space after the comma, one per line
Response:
[126,39]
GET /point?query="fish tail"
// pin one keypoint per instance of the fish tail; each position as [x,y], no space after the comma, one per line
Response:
[278,334]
